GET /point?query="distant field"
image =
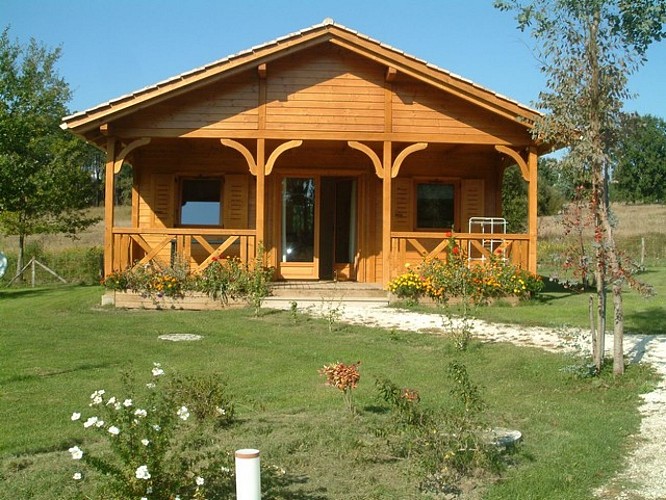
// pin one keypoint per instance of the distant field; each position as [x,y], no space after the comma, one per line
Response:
[640,229]
[632,220]
[94,236]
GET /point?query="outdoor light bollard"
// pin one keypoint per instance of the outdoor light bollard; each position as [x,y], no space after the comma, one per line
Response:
[248,475]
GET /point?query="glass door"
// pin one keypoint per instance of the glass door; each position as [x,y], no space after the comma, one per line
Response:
[318,228]
[298,240]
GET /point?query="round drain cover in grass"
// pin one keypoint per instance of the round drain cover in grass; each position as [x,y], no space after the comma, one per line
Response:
[180,337]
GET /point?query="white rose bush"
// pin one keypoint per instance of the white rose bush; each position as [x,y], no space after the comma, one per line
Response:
[162,442]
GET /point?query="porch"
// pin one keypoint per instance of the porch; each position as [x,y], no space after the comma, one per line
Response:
[198,248]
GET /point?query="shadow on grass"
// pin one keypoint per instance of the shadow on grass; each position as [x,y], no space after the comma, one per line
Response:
[650,321]
[20,293]
[276,484]
[376,409]
[41,290]
[37,376]
[556,290]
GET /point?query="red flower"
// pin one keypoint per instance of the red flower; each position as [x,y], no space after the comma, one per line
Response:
[455,251]
[448,234]
[215,258]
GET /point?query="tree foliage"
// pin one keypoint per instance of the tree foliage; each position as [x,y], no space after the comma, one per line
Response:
[551,197]
[639,175]
[588,49]
[44,182]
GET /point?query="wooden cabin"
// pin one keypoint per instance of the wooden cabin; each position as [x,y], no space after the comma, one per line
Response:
[342,157]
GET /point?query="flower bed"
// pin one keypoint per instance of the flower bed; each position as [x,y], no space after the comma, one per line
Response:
[455,278]
[190,301]
[223,282]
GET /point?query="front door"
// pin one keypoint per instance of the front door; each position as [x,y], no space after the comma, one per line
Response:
[318,228]
[337,234]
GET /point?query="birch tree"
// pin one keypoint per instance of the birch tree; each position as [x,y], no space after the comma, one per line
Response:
[588,49]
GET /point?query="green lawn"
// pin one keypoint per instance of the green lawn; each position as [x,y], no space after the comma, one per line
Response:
[57,346]
[558,308]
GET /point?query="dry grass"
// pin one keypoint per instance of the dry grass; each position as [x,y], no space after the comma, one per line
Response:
[633,220]
[92,237]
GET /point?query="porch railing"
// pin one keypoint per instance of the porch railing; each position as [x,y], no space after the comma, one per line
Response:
[196,247]
[413,247]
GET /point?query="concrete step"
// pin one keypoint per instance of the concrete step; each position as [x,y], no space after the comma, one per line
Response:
[325,293]
[329,293]
[304,301]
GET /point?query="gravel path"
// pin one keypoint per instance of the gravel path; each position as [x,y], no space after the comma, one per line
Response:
[646,465]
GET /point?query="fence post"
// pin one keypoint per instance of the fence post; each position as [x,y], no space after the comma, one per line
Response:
[248,475]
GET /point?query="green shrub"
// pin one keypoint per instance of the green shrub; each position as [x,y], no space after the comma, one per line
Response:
[447,445]
[82,266]
[155,449]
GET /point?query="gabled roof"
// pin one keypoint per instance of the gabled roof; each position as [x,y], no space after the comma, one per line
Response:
[327,31]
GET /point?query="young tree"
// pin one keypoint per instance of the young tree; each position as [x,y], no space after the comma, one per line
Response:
[44,184]
[640,171]
[588,48]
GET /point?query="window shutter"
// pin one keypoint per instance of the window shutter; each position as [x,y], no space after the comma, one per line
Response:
[401,212]
[163,200]
[472,202]
[235,202]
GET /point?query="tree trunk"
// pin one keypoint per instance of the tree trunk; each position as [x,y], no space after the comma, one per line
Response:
[600,275]
[617,280]
[601,317]
[593,331]
[618,330]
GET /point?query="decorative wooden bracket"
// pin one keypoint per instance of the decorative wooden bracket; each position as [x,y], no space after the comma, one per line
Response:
[278,151]
[252,163]
[520,161]
[391,73]
[379,169]
[395,169]
[230,143]
[118,163]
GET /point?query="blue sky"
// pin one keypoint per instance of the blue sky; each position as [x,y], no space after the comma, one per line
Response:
[114,47]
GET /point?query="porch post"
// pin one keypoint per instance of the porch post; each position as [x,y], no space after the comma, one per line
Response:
[532,209]
[386,213]
[108,204]
[260,194]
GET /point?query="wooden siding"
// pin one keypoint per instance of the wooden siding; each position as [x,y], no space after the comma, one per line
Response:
[325,90]
[419,109]
[227,105]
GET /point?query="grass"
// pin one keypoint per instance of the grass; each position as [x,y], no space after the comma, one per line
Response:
[558,308]
[58,346]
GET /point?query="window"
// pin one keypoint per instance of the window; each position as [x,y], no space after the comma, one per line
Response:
[434,206]
[201,202]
